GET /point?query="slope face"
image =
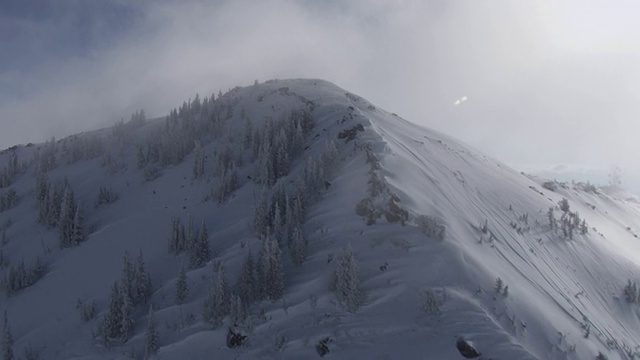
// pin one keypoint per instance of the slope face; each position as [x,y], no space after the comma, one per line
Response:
[432,224]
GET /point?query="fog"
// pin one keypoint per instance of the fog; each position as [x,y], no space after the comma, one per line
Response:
[544,83]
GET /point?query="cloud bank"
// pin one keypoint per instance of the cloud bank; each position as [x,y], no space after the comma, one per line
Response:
[547,83]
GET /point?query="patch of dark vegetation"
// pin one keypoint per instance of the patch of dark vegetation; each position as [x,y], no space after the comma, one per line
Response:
[350,134]
[235,339]
[322,347]
[466,349]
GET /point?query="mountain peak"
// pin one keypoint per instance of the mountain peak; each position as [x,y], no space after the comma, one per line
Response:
[369,236]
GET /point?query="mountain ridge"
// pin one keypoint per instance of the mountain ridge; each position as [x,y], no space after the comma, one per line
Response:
[433,225]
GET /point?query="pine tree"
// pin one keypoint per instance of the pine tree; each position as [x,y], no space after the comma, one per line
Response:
[78,231]
[261,214]
[270,272]
[126,280]
[347,281]
[246,283]
[191,237]
[54,202]
[218,302]
[238,311]
[201,252]
[126,322]
[113,318]
[198,161]
[278,230]
[498,286]
[151,345]
[141,287]
[7,340]
[182,291]
[67,214]
[176,238]
[298,247]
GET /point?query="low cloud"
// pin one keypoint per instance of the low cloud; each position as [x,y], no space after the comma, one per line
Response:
[562,91]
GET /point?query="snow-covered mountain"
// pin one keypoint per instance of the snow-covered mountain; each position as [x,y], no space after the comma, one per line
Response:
[371,237]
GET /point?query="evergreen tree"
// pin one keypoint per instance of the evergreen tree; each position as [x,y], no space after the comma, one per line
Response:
[182,290]
[278,230]
[178,240]
[126,281]
[270,270]
[347,281]
[151,345]
[218,302]
[126,322]
[7,340]
[246,283]
[238,311]
[261,214]
[113,318]
[67,214]
[298,247]
[54,202]
[141,282]
[191,237]
[198,161]
[78,231]
[201,252]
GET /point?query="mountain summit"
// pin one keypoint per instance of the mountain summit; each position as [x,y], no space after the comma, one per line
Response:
[294,219]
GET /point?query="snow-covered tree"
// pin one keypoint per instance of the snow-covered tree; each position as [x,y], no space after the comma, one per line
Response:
[238,310]
[347,281]
[182,291]
[246,283]
[270,272]
[200,252]
[553,224]
[112,320]
[126,319]
[630,291]
[198,161]
[71,221]
[498,286]
[7,340]
[126,279]
[298,246]
[141,286]
[151,343]
[278,229]
[177,238]
[78,234]
[261,218]
[191,236]
[218,302]
[564,205]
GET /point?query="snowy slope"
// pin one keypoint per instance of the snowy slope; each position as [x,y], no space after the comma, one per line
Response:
[421,293]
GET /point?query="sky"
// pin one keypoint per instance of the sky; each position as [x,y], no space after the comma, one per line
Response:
[546,84]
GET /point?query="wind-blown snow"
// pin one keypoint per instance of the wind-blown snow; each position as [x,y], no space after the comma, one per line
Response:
[556,287]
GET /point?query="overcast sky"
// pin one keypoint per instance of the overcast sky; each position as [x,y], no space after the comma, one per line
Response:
[546,82]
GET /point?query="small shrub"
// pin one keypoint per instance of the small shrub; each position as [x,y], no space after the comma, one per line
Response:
[322,347]
[630,291]
[433,302]
[106,196]
[279,342]
[87,310]
[152,172]
[430,227]
[235,339]
[550,185]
